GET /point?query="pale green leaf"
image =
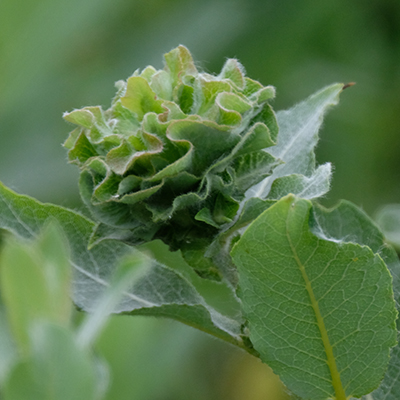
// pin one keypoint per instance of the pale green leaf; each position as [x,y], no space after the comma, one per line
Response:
[140,98]
[321,313]
[179,62]
[57,270]
[298,135]
[388,218]
[307,188]
[160,291]
[8,349]
[234,71]
[127,272]
[25,291]
[57,368]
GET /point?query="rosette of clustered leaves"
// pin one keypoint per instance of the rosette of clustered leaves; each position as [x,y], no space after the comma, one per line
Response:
[183,156]
[175,153]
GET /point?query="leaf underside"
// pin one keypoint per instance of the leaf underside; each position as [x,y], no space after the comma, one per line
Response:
[297,138]
[158,291]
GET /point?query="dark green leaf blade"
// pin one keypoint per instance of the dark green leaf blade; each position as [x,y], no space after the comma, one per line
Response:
[320,313]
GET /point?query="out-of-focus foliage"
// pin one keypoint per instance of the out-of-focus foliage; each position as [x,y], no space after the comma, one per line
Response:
[42,355]
[57,55]
[388,218]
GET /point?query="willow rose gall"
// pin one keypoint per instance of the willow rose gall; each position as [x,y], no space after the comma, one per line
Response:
[253,259]
[176,151]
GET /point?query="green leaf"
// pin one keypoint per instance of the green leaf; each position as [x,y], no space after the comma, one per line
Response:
[8,349]
[388,218]
[91,118]
[217,294]
[160,291]
[81,149]
[127,272]
[57,269]
[210,141]
[348,223]
[321,313]
[390,386]
[302,186]
[35,283]
[234,71]
[298,135]
[140,98]
[57,369]
[179,62]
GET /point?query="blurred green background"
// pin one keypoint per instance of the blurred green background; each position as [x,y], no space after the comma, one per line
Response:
[58,55]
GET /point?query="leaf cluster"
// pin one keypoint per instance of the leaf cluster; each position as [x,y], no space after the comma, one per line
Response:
[175,153]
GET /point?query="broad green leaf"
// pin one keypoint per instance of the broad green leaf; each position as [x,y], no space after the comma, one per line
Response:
[298,135]
[390,386]
[347,223]
[321,313]
[160,291]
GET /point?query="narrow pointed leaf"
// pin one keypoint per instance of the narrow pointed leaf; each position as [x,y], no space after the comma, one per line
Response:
[320,313]
[298,135]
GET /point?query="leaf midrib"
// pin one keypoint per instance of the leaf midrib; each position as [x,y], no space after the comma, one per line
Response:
[335,375]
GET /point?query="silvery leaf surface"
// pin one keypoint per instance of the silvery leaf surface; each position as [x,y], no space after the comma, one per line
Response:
[158,290]
[297,138]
